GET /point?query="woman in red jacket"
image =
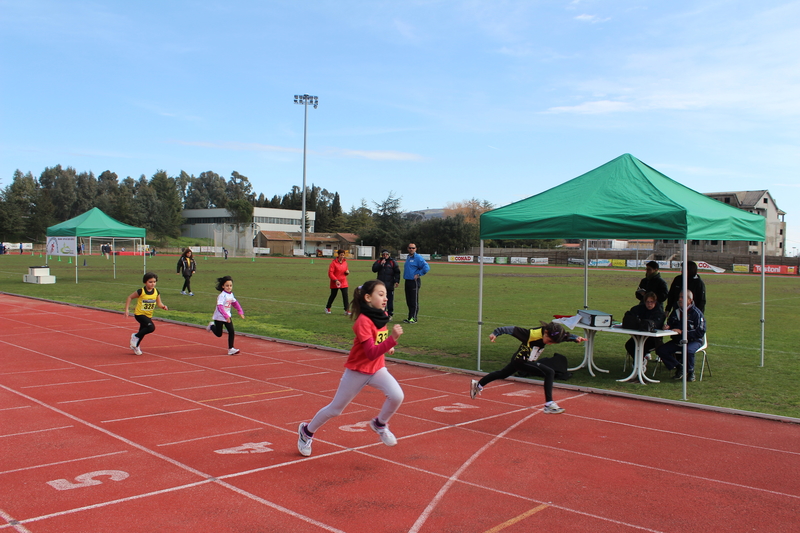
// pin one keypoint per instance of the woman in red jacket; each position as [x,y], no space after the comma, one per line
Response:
[338,273]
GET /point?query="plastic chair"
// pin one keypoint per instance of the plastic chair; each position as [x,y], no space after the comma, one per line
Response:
[706,361]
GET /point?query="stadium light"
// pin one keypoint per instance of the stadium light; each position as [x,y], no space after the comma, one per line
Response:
[305,100]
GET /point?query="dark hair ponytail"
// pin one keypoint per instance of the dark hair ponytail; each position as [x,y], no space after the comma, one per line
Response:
[221,281]
[359,296]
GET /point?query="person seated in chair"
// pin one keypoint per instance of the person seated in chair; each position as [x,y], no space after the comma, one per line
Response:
[695,331]
[647,310]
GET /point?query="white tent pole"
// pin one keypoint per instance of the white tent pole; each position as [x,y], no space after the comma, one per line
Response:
[586,273]
[144,253]
[114,255]
[763,297]
[480,301]
[684,318]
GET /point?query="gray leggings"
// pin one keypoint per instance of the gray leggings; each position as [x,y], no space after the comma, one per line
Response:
[350,385]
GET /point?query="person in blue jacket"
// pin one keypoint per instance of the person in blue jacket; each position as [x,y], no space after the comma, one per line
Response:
[414,268]
[695,331]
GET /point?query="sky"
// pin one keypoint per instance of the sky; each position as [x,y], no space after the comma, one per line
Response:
[432,102]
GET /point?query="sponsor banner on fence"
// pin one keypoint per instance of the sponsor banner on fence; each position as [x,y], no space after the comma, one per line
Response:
[486,259]
[62,246]
[519,260]
[460,258]
[775,269]
[501,260]
[260,251]
[540,261]
[574,261]
[741,268]
[426,257]
[618,262]
[599,262]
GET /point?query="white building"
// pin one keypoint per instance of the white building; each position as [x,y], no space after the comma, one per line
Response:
[200,223]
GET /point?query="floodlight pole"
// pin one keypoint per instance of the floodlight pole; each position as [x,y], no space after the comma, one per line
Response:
[304,100]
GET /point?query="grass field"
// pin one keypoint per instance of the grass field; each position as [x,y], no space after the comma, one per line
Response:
[284,298]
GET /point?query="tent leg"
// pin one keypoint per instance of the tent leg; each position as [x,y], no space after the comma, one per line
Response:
[684,318]
[586,273]
[480,301]
[763,284]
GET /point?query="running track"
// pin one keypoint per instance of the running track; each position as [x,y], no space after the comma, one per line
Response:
[186,438]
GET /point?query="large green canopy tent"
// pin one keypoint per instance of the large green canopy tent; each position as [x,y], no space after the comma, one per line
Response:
[623,199]
[96,224]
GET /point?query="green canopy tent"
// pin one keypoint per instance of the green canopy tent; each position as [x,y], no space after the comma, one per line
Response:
[623,199]
[96,224]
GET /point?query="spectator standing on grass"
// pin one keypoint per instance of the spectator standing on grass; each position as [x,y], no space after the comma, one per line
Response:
[222,313]
[652,282]
[414,268]
[186,267]
[365,365]
[695,331]
[337,274]
[389,273]
[534,341]
[694,284]
[147,299]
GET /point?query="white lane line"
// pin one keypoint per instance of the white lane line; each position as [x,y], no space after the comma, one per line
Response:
[209,437]
[214,385]
[65,383]
[105,397]
[63,462]
[150,416]
[36,431]
[167,373]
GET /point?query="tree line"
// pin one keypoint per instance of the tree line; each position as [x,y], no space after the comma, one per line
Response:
[29,205]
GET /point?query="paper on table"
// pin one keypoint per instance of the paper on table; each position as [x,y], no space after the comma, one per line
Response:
[570,321]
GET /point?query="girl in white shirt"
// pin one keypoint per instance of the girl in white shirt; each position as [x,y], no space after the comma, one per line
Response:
[222,313]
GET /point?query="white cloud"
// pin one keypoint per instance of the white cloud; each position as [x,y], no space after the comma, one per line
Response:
[594,108]
[594,19]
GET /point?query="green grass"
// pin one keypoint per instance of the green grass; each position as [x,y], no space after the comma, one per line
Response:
[285,297]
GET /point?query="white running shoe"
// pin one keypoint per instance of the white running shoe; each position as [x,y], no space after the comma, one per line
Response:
[210,327]
[191,294]
[553,409]
[233,351]
[134,342]
[327,310]
[183,293]
[474,389]
[387,437]
[137,351]
[303,441]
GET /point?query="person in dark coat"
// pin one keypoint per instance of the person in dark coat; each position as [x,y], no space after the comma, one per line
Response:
[695,331]
[694,284]
[647,310]
[653,282]
[186,267]
[389,273]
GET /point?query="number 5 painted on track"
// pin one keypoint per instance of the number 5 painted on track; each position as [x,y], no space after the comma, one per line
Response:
[87,480]
[455,408]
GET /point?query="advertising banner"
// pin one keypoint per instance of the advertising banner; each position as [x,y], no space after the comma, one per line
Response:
[62,246]
[599,262]
[519,260]
[741,268]
[540,261]
[460,258]
[775,269]
[618,262]
[486,259]
[501,260]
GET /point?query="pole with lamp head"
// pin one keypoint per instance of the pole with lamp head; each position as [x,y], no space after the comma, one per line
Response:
[305,100]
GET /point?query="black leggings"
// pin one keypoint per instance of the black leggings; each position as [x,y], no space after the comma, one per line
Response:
[145,326]
[187,284]
[521,365]
[344,297]
[217,330]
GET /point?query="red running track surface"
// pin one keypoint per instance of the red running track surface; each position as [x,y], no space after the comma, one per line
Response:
[186,438]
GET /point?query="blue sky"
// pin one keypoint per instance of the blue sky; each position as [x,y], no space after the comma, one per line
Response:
[436,101]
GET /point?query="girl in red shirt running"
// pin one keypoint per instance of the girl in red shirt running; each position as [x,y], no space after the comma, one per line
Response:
[365,366]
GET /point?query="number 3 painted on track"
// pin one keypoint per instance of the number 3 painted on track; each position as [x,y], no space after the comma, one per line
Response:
[87,480]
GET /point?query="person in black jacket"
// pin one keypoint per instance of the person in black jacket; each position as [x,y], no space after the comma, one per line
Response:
[647,310]
[694,284]
[186,267]
[389,273]
[533,340]
[653,282]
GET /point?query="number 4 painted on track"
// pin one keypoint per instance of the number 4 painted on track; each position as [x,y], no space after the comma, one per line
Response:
[247,447]
[355,428]
[87,480]
[455,408]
